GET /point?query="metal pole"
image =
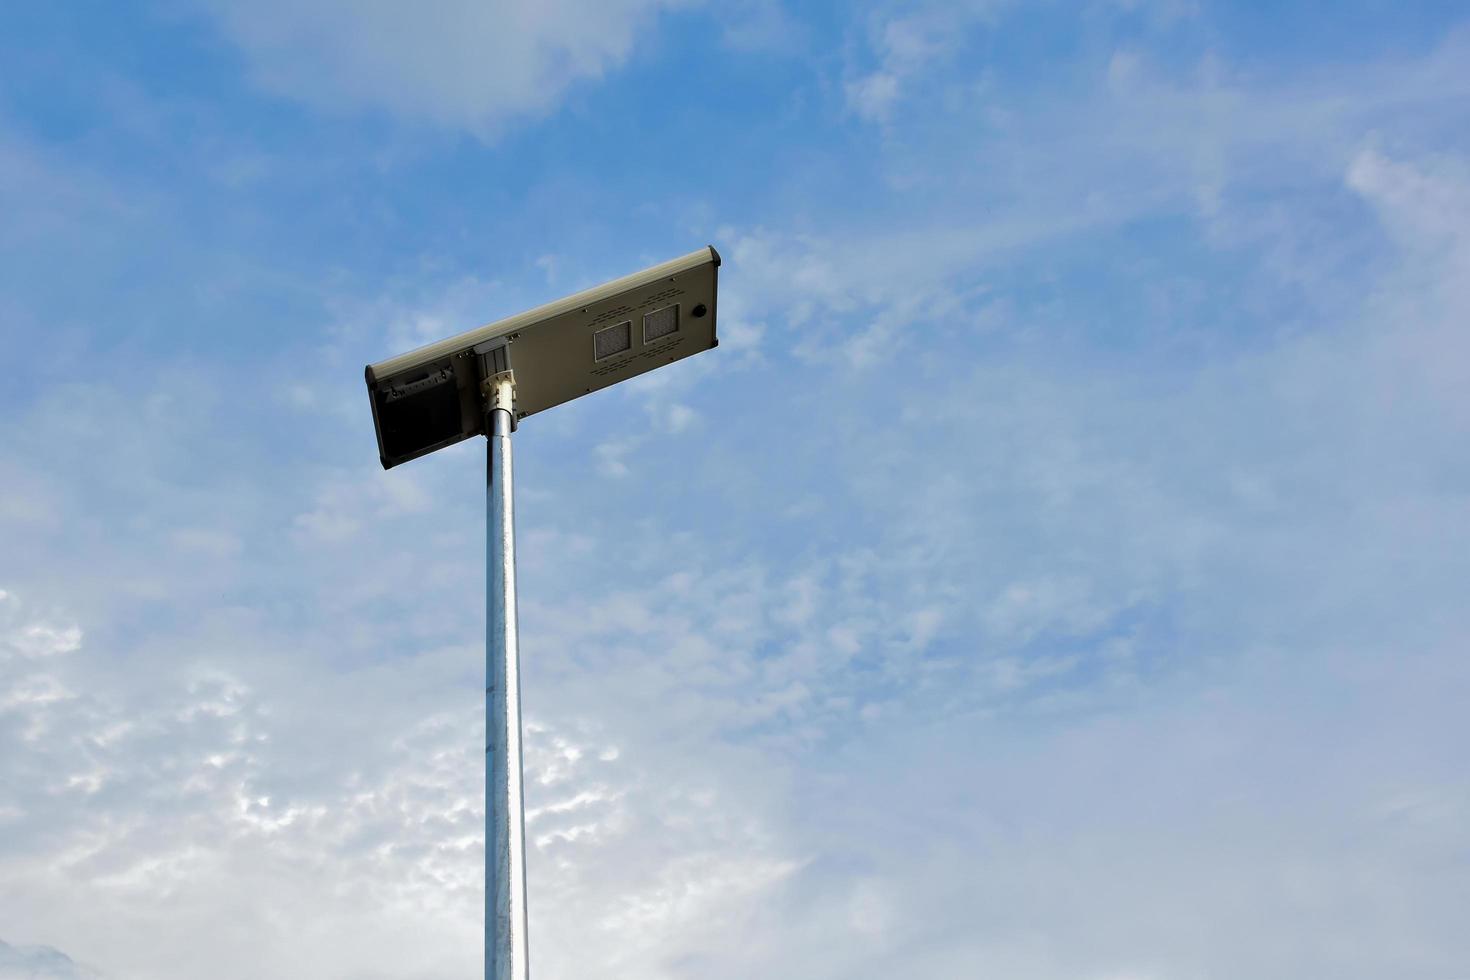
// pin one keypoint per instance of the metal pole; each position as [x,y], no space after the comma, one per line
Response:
[505,820]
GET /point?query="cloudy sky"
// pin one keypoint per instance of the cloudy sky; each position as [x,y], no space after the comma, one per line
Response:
[1057,573]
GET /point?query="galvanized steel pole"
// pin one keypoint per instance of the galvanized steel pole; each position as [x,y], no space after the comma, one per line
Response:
[506,955]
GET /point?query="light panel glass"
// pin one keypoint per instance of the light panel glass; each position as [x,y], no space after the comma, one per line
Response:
[612,340]
[660,323]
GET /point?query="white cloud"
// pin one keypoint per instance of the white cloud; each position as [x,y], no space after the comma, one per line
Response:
[1032,657]
[736,753]
[910,48]
[39,963]
[463,63]
[873,96]
[207,541]
[905,47]
[1425,204]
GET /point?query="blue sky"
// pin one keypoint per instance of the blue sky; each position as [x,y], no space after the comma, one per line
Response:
[1057,573]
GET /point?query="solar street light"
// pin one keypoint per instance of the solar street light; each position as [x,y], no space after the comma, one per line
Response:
[485,381]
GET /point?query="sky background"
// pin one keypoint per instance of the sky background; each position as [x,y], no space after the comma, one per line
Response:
[1057,573]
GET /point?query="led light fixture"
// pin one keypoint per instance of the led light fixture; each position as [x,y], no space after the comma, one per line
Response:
[431,397]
